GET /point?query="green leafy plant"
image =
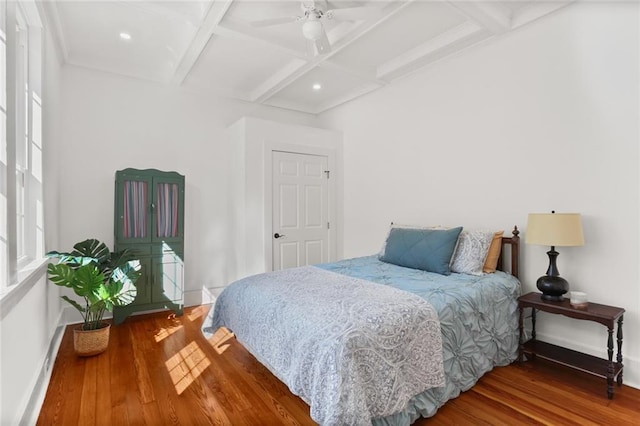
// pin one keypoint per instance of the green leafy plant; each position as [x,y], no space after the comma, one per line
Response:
[103,278]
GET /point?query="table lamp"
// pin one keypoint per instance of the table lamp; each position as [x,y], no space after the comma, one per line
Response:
[554,229]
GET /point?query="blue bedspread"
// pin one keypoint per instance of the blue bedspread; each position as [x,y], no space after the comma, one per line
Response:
[478,318]
[352,349]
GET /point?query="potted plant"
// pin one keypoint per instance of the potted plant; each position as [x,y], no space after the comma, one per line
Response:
[102,278]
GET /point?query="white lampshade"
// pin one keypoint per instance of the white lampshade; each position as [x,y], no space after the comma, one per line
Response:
[555,229]
[312,29]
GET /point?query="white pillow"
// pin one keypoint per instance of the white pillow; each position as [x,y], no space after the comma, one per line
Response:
[472,250]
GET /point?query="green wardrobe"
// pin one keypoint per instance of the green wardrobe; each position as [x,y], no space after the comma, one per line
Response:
[149,218]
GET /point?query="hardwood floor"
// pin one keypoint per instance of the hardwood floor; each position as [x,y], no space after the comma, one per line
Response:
[160,369]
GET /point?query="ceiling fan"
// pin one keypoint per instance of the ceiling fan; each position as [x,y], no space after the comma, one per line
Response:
[312,18]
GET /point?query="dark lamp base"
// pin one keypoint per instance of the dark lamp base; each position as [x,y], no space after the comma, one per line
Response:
[552,287]
[552,298]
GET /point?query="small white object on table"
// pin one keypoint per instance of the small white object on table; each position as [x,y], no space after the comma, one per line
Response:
[579,299]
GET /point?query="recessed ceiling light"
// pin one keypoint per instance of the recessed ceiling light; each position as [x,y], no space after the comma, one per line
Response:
[125,36]
[317,86]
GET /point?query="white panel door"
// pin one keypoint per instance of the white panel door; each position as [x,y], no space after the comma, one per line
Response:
[300,210]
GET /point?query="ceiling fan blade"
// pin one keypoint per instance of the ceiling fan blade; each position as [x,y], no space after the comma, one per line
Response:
[311,48]
[353,13]
[322,44]
[275,21]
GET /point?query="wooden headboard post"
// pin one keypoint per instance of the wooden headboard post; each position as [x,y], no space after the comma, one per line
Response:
[514,242]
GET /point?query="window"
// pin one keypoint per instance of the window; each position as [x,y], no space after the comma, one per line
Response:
[21,144]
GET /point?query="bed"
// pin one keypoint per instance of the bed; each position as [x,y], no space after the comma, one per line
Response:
[368,341]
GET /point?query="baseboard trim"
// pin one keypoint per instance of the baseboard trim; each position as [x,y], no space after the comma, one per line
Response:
[34,405]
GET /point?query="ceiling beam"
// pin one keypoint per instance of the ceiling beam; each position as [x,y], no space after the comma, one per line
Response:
[446,43]
[298,66]
[492,16]
[285,76]
[233,28]
[534,11]
[364,27]
[199,42]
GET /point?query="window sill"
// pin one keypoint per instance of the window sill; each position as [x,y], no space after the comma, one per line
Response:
[27,278]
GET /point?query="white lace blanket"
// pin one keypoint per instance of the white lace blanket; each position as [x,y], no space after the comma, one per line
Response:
[352,349]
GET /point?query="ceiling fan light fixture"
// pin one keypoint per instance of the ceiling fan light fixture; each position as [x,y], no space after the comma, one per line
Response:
[312,29]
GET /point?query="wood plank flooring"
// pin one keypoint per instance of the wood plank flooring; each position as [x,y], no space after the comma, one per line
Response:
[159,369]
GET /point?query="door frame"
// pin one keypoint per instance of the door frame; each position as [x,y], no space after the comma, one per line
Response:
[332,188]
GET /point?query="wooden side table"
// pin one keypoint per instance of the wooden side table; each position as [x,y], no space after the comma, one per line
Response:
[603,314]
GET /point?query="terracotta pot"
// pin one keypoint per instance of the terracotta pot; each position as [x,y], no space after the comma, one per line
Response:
[91,342]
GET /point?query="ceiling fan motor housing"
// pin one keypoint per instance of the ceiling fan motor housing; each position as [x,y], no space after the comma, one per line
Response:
[312,28]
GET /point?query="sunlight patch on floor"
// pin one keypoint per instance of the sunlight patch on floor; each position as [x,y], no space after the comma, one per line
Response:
[185,366]
[165,332]
[198,312]
[219,339]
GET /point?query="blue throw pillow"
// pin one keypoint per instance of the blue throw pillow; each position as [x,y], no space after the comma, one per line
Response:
[426,249]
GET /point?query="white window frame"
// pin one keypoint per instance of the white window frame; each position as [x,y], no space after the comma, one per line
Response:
[23,61]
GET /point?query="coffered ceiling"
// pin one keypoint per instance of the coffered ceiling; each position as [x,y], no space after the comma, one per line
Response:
[215,46]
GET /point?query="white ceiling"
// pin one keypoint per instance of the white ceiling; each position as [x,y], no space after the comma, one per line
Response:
[211,46]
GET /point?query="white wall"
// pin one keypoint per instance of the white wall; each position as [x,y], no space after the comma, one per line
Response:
[544,118]
[111,123]
[30,326]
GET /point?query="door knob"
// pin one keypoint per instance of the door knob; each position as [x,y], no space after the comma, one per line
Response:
[276,235]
